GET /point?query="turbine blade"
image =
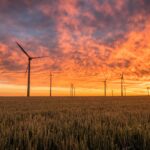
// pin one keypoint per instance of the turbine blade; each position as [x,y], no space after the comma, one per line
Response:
[26,70]
[39,57]
[23,50]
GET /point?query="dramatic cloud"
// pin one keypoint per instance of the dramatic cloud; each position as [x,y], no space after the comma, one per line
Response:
[85,39]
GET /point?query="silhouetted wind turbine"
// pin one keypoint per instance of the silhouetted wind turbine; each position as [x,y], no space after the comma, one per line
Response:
[50,84]
[122,80]
[148,88]
[105,83]
[29,65]
[72,90]
[105,87]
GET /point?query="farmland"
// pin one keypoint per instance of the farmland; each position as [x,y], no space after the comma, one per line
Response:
[106,123]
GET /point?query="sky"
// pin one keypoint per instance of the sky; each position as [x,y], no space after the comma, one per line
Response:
[87,41]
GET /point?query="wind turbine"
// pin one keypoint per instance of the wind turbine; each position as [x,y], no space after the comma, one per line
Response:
[105,87]
[50,84]
[72,90]
[122,80]
[29,66]
[105,84]
[148,88]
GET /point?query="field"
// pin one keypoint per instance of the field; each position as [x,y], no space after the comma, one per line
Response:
[75,123]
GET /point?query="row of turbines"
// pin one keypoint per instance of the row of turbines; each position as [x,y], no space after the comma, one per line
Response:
[72,87]
[122,85]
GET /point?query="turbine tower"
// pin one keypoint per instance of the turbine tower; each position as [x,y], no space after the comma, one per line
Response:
[72,90]
[148,88]
[122,80]
[50,94]
[105,87]
[105,83]
[29,66]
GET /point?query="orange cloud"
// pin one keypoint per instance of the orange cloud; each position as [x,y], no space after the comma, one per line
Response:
[84,41]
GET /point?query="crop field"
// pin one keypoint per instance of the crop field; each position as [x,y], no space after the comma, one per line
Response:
[75,123]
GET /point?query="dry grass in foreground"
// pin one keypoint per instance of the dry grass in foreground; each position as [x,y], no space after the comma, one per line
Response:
[77,123]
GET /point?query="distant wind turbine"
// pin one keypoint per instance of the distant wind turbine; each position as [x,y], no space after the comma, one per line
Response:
[105,87]
[72,90]
[50,84]
[148,88]
[105,84]
[29,66]
[122,82]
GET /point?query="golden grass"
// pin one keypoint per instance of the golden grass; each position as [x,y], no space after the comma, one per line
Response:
[105,123]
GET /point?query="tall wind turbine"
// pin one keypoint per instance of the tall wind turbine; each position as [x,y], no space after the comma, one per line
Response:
[29,66]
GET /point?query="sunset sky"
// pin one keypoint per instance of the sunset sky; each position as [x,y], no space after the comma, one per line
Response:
[86,41]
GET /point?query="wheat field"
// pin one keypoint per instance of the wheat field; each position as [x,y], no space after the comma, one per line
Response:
[75,123]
